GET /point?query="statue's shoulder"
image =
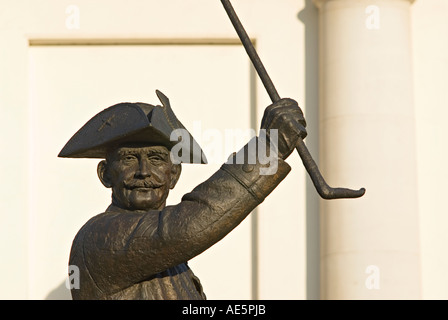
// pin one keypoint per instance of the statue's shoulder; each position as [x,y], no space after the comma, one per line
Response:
[87,228]
[110,230]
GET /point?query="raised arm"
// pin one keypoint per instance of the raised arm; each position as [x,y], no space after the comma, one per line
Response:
[124,249]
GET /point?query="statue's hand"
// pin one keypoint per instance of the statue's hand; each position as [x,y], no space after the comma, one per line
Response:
[286,116]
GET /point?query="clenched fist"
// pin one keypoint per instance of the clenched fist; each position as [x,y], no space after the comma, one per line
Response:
[285,116]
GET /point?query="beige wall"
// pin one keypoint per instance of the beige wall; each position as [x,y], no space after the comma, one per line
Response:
[430,31]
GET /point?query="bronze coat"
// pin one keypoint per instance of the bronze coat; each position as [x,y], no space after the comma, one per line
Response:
[142,255]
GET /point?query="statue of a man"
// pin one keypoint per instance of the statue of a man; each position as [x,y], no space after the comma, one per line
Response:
[139,247]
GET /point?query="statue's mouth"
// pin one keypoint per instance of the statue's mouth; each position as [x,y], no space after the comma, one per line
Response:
[143,189]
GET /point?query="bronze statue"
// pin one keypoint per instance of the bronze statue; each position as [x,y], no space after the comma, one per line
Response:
[139,247]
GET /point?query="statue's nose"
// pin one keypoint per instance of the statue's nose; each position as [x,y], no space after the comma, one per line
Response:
[143,170]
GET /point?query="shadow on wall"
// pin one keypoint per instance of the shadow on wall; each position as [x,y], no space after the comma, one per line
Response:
[59,293]
[309,17]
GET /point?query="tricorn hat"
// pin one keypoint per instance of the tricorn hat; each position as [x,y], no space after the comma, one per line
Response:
[134,123]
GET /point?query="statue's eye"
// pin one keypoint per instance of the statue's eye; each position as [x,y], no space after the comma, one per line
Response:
[156,158]
[129,157]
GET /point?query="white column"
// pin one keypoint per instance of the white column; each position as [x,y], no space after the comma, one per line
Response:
[369,246]
[430,23]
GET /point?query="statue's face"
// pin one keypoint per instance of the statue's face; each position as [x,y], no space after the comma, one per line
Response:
[140,176]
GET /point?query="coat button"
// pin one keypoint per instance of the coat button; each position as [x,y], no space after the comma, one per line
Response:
[248,167]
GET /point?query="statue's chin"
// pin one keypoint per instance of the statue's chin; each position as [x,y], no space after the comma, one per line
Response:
[144,199]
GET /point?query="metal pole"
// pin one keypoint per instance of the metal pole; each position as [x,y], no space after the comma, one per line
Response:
[324,190]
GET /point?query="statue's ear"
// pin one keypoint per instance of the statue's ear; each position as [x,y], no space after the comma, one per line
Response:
[102,174]
[176,169]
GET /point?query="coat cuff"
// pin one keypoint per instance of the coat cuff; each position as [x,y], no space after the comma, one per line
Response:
[257,173]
